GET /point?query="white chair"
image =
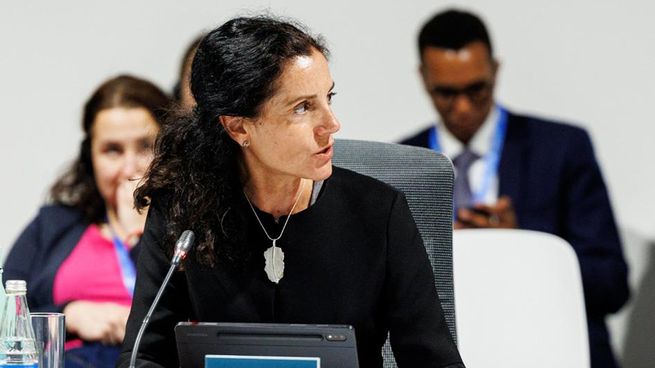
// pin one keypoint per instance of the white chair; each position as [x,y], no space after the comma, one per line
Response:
[518,300]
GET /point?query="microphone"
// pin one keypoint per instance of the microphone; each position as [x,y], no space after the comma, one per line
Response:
[182,246]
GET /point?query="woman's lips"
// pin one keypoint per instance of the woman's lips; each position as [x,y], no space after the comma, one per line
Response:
[326,153]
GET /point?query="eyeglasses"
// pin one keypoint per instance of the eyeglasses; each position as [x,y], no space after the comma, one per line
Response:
[477,93]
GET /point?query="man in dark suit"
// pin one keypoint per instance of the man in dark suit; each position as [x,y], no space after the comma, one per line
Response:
[515,171]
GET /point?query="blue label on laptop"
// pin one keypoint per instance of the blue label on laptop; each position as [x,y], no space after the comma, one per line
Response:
[240,361]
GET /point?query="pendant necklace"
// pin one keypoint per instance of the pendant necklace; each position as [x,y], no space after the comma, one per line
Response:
[274,256]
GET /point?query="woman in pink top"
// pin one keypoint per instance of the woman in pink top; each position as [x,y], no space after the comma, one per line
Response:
[78,254]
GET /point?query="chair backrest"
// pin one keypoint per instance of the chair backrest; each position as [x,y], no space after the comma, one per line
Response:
[519,300]
[426,179]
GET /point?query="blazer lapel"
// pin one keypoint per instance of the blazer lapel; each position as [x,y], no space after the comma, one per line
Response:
[511,160]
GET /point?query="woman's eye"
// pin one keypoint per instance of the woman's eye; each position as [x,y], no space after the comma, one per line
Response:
[302,108]
[113,150]
[146,146]
[330,96]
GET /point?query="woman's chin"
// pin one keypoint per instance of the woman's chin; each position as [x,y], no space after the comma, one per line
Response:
[323,172]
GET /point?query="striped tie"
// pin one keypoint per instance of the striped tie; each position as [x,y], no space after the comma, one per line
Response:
[463,162]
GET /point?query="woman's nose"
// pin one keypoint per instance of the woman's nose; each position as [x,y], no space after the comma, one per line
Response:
[329,125]
[130,166]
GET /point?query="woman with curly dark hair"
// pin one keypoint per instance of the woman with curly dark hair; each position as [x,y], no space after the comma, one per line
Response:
[78,254]
[282,235]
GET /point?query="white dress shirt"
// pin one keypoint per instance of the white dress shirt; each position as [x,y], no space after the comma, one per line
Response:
[481,143]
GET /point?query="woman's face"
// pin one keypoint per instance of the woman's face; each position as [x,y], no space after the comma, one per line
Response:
[292,136]
[121,147]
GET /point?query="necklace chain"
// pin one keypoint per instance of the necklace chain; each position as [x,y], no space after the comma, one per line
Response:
[285,222]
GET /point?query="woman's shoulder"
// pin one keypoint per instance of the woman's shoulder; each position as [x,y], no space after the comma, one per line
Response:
[53,225]
[56,217]
[59,213]
[356,185]
[355,177]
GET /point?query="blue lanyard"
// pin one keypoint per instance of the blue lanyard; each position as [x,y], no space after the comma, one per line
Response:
[128,271]
[491,158]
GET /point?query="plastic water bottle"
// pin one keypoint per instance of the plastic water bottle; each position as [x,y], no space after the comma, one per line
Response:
[17,345]
[3,297]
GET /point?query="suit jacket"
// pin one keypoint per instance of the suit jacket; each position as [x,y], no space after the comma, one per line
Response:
[550,172]
[40,250]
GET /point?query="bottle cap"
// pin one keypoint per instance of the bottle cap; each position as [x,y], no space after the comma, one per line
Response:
[16,286]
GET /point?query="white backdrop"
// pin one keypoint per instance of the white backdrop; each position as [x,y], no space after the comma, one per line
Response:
[587,61]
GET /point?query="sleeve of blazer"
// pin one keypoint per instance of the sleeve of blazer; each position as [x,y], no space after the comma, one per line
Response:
[19,264]
[418,330]
[590,227]
[25,262]
[158,347]
[39,251]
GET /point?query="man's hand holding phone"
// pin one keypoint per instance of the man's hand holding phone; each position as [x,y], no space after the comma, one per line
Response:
[499,215]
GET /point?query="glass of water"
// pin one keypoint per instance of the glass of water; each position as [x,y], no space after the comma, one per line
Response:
[50,334]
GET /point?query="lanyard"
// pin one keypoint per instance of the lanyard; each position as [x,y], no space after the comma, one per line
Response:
[128,271]
[491,158]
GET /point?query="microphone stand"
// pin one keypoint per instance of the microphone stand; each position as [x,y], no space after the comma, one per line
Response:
[181,247]
[137,342]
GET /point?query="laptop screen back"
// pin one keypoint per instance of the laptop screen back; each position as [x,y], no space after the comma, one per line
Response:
[228,345]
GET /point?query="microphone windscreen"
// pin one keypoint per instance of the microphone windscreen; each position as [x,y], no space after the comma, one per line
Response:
[185,241]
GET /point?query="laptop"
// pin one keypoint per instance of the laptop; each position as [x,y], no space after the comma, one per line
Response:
[265,345]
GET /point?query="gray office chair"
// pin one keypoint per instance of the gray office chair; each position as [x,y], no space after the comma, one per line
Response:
[426,178]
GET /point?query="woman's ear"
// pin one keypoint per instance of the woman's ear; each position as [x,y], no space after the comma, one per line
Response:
[235,128]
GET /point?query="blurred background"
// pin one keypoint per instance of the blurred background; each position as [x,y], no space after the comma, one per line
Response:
[586,62]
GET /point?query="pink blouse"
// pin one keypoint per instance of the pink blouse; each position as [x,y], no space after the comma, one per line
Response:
[91,273]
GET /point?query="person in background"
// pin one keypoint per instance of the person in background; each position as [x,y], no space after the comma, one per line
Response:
[78,254]
[516,171]
[282,235]
[182,90]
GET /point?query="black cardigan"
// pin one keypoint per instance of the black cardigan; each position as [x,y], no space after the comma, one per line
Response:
[355,257]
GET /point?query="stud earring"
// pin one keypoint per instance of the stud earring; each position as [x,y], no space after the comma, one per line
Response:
[245,143]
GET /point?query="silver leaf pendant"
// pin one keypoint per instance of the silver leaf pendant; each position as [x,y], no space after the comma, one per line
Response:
[274,267]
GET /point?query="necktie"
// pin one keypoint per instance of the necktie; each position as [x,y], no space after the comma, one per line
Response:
[463,162]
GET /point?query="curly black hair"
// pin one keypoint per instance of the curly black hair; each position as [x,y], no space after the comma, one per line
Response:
[195,168]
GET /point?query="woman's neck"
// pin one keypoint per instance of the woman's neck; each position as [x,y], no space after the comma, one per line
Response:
[277,195]
[112,226]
